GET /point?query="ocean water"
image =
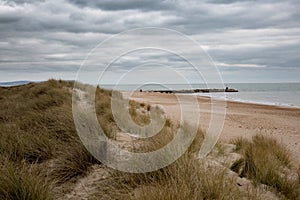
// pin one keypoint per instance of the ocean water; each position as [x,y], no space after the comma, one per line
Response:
[281,94]
[13,83]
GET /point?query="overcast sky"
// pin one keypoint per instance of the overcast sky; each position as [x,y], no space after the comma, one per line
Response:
[249,41]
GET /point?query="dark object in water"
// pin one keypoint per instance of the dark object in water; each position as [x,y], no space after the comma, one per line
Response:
[230,90]
[196,90]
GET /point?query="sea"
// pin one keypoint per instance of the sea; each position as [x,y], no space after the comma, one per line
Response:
[281,94]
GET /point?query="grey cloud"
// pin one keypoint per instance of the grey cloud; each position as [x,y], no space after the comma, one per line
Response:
[8,19]
[248,15]
[77,16]
[124,5]
[189,17]
[24,1]
[238,1]
[281,56]
[229,1]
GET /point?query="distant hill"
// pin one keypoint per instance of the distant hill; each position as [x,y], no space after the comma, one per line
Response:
[14,83]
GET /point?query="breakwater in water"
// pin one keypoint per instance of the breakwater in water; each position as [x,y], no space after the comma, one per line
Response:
[194,90]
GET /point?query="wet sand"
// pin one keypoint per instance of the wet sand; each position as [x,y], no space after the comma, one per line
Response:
[241,119]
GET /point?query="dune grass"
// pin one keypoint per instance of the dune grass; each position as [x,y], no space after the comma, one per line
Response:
[139,112]
[186,178]
[25,146]
[104,112]
[37,128]
[31,123]
[72,163]
[21,182]
[267,162]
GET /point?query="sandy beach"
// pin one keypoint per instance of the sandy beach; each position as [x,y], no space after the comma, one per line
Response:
[242,119]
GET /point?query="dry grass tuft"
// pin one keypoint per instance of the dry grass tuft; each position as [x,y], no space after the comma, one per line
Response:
[37,128]
[266,161]
[104,112]
[72,163]
[19,183]
[139,112]
[29,147]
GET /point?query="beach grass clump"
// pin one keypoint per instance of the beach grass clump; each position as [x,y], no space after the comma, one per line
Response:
[165,136]
[139,113]
[267,144]
[34,148]
[220,149]
[240,143]
[162,138]
[19,146]
[266,161]
[73,162]
[191,181]
[104,112]
[20,182]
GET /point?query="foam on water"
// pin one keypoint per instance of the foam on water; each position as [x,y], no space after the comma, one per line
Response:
[259,98]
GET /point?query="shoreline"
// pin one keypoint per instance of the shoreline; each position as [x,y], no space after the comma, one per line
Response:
[238,100]
[252,103]
[283,105]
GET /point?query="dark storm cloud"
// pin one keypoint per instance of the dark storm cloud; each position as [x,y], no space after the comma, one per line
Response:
[188,16]
[37,35]
[6,19]
[236,1]
[124,5]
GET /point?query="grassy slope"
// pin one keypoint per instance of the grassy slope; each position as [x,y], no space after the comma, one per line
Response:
[38,136]
[43,158]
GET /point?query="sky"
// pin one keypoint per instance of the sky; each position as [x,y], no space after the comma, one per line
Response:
[248,41]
